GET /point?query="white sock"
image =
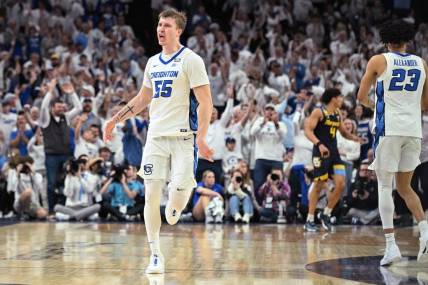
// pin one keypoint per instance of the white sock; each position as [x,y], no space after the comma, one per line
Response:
[390,239]
[154,247]
[386,203]
[152,218]
[327,211]
[177,201]
[423,228]
[310,218]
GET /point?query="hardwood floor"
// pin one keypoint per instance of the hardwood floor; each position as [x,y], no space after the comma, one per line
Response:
[76,253]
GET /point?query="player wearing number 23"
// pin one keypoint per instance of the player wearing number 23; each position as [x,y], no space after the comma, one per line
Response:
[401,86]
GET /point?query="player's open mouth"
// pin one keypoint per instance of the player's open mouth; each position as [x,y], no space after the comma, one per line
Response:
[161,37]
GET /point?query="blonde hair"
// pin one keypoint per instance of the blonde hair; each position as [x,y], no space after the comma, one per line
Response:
[179,17]
[205,174]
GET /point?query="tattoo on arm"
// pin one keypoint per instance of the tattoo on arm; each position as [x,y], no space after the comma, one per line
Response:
[125,111]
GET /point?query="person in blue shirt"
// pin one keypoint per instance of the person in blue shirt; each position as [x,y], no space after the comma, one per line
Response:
[33,41]
[296,71]
[364,127]
[205,191]
[126,194]
[21,135]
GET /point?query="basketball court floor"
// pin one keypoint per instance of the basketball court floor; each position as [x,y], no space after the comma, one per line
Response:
[198,254]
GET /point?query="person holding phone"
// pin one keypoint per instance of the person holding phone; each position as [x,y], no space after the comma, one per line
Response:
[320,129]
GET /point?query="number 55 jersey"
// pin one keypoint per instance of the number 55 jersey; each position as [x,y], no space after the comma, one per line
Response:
[398,96]
[173,109]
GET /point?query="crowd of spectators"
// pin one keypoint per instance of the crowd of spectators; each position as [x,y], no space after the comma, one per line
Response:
[67,66]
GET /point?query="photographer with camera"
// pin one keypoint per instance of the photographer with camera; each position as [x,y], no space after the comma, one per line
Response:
[78,205]
[92,178]
[275,194]
[363,202]
[240,194]
[269,134]
[126,194]
[107,163]
[27,185]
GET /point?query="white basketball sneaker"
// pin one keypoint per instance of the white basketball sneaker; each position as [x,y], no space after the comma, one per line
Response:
[392,254]
[423,250]
[156,264]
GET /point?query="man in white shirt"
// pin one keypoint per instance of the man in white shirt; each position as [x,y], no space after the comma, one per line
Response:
[218,85]
[216,140]
[278,79]
[231,156]
[269,133]
[7,120]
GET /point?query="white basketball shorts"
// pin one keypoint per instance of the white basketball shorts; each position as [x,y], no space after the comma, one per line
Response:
[397,154]
[170,157]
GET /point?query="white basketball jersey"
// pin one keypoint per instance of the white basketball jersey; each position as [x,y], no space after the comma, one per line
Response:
[173,106]
[398,96]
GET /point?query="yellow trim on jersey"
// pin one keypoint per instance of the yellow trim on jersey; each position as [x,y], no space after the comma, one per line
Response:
[321,178]
[338,166]
[326,112]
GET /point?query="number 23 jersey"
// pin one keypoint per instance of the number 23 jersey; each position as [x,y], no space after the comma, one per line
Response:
[398,96]
[173,109]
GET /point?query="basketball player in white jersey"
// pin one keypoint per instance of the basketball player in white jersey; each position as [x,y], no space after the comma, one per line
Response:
[401,84]
[176,131]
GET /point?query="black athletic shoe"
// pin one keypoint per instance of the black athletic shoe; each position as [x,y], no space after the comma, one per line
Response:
[325,221]
[310,227]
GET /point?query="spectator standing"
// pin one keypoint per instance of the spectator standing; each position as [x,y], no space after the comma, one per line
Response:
[216,140]
[269,133]
[55,124]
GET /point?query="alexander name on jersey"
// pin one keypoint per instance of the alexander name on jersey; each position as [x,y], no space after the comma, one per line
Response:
[405,62]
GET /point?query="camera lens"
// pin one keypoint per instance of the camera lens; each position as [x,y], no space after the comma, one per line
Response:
[274,176]
[238,179]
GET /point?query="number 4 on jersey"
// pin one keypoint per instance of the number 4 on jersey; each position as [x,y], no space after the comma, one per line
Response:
[163,88]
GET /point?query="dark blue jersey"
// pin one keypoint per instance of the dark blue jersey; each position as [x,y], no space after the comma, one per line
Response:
[364,132]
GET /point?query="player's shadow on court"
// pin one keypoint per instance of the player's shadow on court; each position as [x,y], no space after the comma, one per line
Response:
[367,269]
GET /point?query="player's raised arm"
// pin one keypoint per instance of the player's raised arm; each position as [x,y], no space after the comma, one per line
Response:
[205,108]
[424,103]
[374,68]
[134,107]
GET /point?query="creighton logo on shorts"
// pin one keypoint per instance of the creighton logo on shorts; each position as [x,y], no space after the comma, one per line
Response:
[148,169]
